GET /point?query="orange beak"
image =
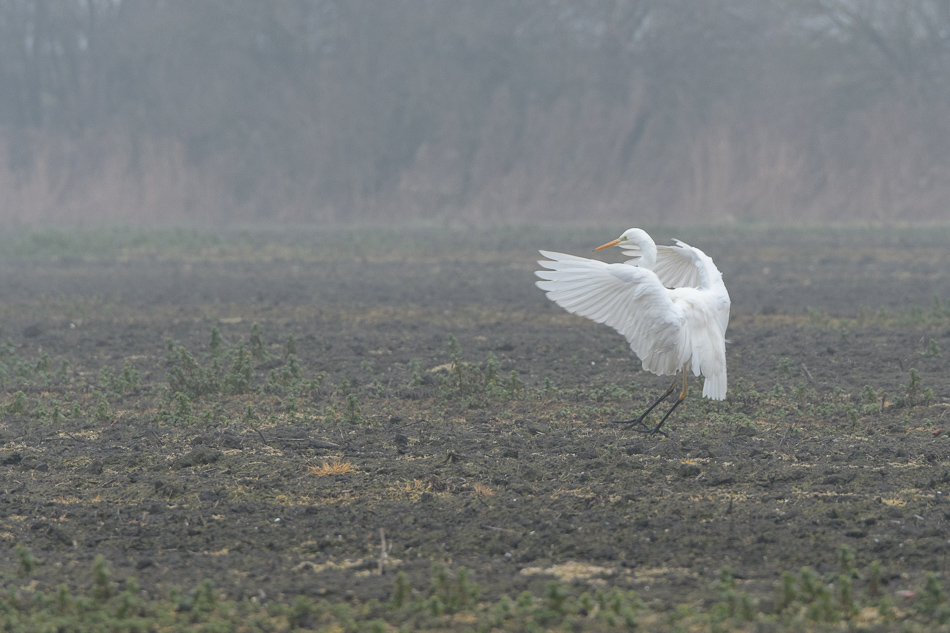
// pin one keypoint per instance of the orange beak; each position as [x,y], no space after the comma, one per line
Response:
[608,244]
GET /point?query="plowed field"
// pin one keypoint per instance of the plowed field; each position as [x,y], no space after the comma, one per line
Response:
[255,408]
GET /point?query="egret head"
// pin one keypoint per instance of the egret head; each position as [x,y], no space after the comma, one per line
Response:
[636,243]
[630,237]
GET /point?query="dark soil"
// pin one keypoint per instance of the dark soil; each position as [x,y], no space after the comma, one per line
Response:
[517,478]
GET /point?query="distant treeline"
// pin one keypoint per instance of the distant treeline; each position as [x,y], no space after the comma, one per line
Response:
[474,110]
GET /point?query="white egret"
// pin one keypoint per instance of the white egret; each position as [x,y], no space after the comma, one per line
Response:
[669,302]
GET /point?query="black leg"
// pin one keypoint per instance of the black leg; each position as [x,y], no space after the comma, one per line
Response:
[639,421]
[656,429]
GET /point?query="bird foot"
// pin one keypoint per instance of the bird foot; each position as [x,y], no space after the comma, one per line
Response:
[640,427]
[632,423]
[651,430]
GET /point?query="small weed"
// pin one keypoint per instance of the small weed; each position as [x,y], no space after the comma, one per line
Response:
[452,592]
[43,364]
[555,598]
[64,370]
[873,402]
[292,366]
[184,410]
[852,414]
[18,405]
[515,386]
[912,390]
[491,371]
[171,349]
[26,560]
[353,413]
[402,591]
[290,346]
[131,378]
[102,588]
[788,594]
[784,368]
[911,316]
[191,378]
[802,394]
[476,384]
[939,313]
[102,412]
[301,613]
[885,610]
[846,557]
[238,378]
[932,350]
[258,347]
[108,382]
[215,344]
[452,345]
[291,407]
[40,410]
[933,596]
[845,592]
[875,580]
[732,605]
[817,318]
[415,373]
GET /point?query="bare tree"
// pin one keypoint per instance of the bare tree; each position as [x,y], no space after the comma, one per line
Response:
[348,109]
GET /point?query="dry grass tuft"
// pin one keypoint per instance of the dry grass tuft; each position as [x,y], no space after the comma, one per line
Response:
[893,500]
[335,466]
[481,490]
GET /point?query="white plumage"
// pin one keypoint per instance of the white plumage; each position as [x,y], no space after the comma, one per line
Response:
[668,301]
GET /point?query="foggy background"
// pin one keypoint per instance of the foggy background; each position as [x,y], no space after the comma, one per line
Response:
[141,111]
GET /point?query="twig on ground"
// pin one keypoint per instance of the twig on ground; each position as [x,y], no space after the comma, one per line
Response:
[808,373]
[313,443]
[382,550]
[784,436]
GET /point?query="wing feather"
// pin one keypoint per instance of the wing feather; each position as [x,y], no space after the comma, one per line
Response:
[673,266]
[629,299]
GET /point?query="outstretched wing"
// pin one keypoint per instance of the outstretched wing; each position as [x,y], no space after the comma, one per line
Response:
[627,298]
[674,266]
[685,266]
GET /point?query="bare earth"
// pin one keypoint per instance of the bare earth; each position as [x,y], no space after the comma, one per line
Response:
[503,459]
